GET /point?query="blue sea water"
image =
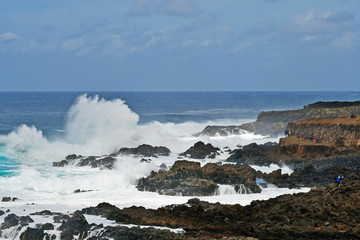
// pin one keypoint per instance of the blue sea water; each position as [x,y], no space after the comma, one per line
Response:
[47,111]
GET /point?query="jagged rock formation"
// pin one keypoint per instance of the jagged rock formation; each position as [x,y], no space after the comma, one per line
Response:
[221,131]
[146,150]
[342,131]
[325,213]
[201,150]
[274,123]
[190,179]
[256,154]
[80,161]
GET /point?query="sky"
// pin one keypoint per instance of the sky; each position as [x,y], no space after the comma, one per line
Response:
[180,45]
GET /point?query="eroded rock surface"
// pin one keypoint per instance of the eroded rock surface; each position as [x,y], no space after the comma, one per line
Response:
[190,179]
[146,150]
[201,150]
[324,213]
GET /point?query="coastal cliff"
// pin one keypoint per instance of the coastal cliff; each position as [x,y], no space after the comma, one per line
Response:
[274,123]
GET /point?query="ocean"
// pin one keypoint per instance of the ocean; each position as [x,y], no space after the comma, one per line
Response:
[38,128]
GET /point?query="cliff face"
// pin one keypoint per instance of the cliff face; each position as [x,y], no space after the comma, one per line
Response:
[341,131]
[274,123]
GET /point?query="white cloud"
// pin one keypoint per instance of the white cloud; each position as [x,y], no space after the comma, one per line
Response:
[74,44]
[183,8]
[309,38]
[243,46]
[315,21]
[206,43]
[347,40]
[8,36]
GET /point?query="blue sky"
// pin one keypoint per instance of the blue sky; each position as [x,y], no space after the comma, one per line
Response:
[179,45]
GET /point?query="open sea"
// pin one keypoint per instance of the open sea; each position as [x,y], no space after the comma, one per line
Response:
[38,128]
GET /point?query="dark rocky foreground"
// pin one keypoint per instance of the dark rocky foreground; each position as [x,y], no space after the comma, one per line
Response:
[332,212]
[190,179]
[324,213]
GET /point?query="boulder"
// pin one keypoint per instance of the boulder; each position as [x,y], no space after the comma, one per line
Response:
[12,220]
[146,150]
[33,234]
[255,154]
[190,179]
[201,150]
[76,225]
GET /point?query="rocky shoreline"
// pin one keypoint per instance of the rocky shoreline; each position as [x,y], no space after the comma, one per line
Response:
[317,149]
[323,213]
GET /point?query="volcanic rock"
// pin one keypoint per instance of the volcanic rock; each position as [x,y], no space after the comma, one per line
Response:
[273,123]
[255,154]
[80,161]
[146,150]
[76,225]
[324,213]
[33,234]
[201,151]
[214,131]
[190,179]
[12,220]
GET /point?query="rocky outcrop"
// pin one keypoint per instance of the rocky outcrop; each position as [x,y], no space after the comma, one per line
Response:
[146,150]
[12,220]
[324,213]
[34,234]
[340,131]
[106,162]
[201,150]
[190,179]
[273,123]
[255,154]
[76,225]
[221,131]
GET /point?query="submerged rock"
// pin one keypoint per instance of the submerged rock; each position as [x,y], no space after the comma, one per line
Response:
[107,162]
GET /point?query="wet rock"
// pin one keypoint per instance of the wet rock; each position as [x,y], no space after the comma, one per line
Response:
[136,233]
[47,226]
[12,220]
[59,218]
[145,160]
[82,191]
[76,225]
[255,154]
[201,150]
[323,213]
[190,179]
[146,150]
[80,161]
[33,234]
[72,157]
[213,131]
[6,199]
[62,163]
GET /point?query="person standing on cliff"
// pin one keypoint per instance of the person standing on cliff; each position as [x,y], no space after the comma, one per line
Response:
[314,139]
[286,133]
